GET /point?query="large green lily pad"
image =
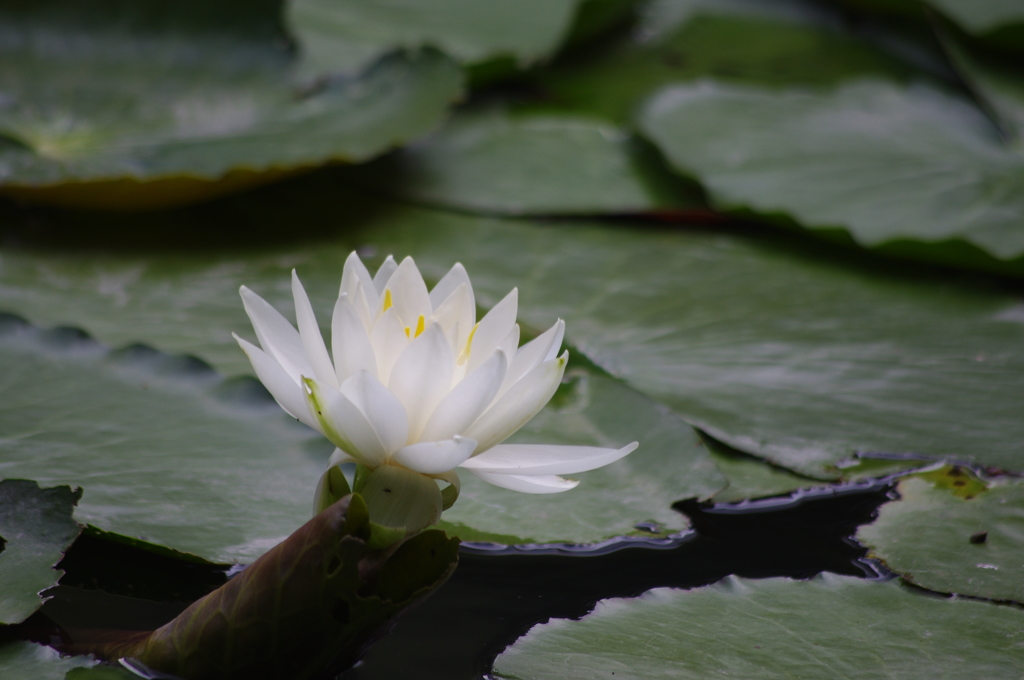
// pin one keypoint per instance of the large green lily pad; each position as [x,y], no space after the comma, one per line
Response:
[592,409]
[969,544]
[166,450]
[29,661]
[909,168]
[786,350]
[492,160]
[185,93]
[343,36]
[36,529]
[827,627]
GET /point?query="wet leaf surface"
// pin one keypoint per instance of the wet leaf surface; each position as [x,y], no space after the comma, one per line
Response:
[188,91]
[946,533]
[909,169]
[36,529]
[829,626]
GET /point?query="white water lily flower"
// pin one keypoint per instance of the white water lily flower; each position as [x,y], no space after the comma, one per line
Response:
[417,387]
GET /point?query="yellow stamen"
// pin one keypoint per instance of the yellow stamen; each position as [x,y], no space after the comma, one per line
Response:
[420,325]
[464,355]
[388,302]
[407,331]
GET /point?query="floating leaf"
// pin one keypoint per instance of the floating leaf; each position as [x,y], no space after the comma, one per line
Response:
[343,36]
[167,450]
[965,543]
[29,661]
[910,170]
[35,529]
[492,160]
[155,103]
[829,626]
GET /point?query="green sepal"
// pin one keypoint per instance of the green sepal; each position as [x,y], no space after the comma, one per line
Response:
[362,472]
[308,608]
[331,488]
[382,537]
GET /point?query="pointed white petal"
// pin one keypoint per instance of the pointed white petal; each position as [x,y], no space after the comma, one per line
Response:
[389,340]
[539,484]
[456,310]
[432,458]
[356,274]
[350,343]
[380,279]
[422,376]
[509,344]
[467,400]
[362,306]
[312,340]
[493,328]
[520,403]
[409,293]
[544,459]
[344,424]
[398,497]
[533,353]
[384,411]
[277,337]
[455,277]
[285,390]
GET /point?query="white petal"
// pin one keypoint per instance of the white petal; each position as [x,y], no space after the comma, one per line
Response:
[545,459]
[493,328]
[456,312]
[344,424]
[509,344]
[409,293]
[277,337]
[356,274]
[539,484]
[286,391]
[362,307]
[451,281]
[542,348]
[422,376]
[350,343]
[389,340]
[380,279]
[521,402]
[467,400]
[384,411]
[312,340]
[432,458]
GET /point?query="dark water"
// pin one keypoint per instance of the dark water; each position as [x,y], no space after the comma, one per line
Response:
[497,593]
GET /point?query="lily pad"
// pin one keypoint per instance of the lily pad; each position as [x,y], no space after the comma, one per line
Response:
[343,36]
[492,160]
[969,544]
[153,104]
[829,626]
[164,450]
[29,661]
[792,351]
[593,409]
[907,169]
[36,529]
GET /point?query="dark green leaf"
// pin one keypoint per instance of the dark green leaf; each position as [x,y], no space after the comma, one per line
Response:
[343,36]
[911,169]
[177,95]
[776,629]
[926,536]
[35,529]
[490,160]
[29,661]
